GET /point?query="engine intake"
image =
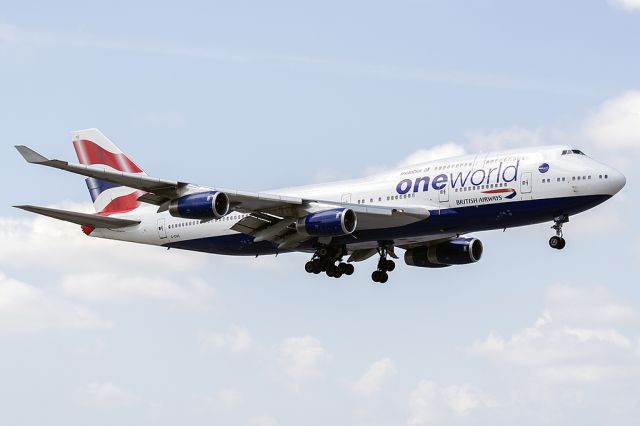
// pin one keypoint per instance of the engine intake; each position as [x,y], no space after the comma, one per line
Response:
[460,251]
[203,205]
[328,223]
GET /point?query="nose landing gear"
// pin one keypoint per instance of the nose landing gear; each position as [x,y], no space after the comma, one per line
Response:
[557,241]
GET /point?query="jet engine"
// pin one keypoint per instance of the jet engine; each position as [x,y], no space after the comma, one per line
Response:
[460,251]
[203,205]
[328,223]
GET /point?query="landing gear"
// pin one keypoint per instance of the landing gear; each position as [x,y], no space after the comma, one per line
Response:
[384,265]
[557,241]
[329,260]
[379,276]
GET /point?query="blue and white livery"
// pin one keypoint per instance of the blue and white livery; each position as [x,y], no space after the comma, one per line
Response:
[425,209]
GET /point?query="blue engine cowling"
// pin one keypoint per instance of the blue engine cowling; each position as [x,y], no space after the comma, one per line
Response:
[203,205]
[460,251]
[328,223]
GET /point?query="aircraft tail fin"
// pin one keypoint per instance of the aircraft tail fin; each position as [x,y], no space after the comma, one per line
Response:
[94,148]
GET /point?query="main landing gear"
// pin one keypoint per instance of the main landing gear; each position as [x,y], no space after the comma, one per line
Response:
[557,242]
[384,265]
[329,260]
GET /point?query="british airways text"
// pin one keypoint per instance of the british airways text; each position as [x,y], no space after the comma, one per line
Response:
[460,179]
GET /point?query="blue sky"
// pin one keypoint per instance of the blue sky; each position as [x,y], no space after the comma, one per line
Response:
[257,96]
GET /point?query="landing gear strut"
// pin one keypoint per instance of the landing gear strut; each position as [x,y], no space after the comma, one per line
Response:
[384,265]
[329,260]
[557,241]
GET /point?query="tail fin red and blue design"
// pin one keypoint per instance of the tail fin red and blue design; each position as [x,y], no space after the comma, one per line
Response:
[94,148]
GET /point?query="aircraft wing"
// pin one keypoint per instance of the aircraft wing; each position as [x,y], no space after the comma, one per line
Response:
[270,215]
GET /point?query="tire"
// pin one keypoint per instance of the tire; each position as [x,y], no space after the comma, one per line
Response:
[309,267]
[383,277]
[342,268]
[555,242]
[317,267]
[374,276]
[350,269]
[331,270]
[562,244]
[390,265]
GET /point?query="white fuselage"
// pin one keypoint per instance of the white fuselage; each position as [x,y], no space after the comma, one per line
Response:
[484,191]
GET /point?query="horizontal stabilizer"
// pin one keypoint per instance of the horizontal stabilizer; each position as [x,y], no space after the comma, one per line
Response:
[85,219]
[30,155]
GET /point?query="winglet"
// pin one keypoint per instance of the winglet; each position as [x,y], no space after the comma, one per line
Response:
[30,155]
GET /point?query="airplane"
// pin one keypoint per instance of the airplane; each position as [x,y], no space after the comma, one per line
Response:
[425,209]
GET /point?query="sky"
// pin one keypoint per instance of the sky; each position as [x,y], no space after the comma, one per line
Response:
[259,95]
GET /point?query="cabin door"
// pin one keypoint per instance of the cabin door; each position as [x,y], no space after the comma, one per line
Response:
[162,230]
[525,183]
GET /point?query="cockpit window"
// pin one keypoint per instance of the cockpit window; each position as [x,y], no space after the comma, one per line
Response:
[572,151]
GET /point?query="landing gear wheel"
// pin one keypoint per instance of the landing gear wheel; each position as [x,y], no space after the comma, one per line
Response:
[383,277]
[375,276]
[309,267]
[349,269]
[389,265]
[562,244]
[342,268]
[331,270]
[557,243]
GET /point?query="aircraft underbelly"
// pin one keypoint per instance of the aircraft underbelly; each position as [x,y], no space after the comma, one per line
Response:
[440,224]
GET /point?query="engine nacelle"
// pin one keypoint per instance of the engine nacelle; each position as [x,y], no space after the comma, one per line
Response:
[203,205]
[460,251]
[328,223]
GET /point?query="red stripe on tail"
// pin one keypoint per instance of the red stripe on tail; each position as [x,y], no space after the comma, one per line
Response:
[90,153]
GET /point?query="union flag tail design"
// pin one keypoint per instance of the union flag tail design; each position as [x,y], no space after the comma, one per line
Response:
[94,148]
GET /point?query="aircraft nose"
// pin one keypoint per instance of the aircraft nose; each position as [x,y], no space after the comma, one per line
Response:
[618,180]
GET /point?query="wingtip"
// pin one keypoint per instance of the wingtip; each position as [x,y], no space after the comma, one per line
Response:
[30,155]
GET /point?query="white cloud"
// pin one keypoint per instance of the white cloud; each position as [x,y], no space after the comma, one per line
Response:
[237,339]
[262,420]
[108,287]
[372,381]
[61,246]
[303,359]
[431,404]
[449,149]
[512,137]
[593,306]
[229,398]
[95,346]
[616,124]
[573,341]
[626,4]
[7,34]
[105,395]
[226,399]
[26,308]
